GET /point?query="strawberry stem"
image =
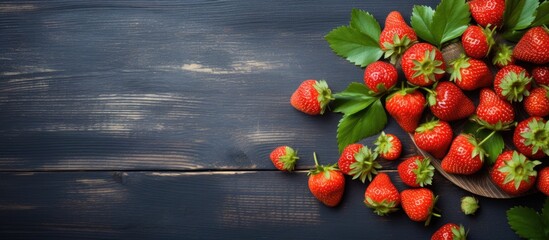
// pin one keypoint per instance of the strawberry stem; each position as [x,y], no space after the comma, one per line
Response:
[316,161]
[487,137]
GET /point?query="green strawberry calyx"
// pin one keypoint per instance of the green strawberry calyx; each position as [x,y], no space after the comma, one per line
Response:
[503,56]
[469,205]
[427,126]
[324,94]
[489,33]
[455,67]
[459,233]
[381,208]
[384,143]
[394,50]
[322,169]
[428,67]
[537,136]
[514,86]
[478,150]
[289,159]
[366,164]
[499,126]
[424,172]
[431,212]
[518,169]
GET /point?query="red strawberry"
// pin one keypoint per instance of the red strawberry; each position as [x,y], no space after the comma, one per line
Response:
[326,183]
[381,195]
[434,137]
[464,157]
[416,171]
[470,74]
[493,112]
[477,41]
[406,107]
[284,158]
[503,56]
[487,12]
[311,97]
[533,46]
[396,37]
[358,161]
[380,76]
[512,83]
[543,181]
[423,64]
[450,231]
[418,203]
[537,103]
[514,173]
[449,103]
[531,137]
[541,75]
[388,146]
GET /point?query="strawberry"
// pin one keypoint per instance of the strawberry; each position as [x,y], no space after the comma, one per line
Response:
[423,64]
[543,181]
[326,183]
[434,137]
[358,161]
[512,83]
[541,75]
[533,47]
[311,97]
[284,158]
[477,41]
[503,56]
[406,107]
[449,103]
[396,36]
[416,171]
[493,112]
[450,231]
[418,204]
[380,76]
[531,137]
[470,74]
[487,12]
[469,205]
[537,103]
[388,146]
[464,157]
[381,195]
[513,172]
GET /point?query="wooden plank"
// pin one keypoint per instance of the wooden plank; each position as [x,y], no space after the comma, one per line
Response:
[214,204]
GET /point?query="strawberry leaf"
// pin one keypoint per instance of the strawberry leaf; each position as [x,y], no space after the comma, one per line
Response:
[365,23]
[527,223]
[493,146]
[353,99]
[365,123]
[518,16]
[542,15]
[422,18]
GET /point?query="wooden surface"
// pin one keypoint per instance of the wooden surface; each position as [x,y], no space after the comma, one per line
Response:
[154,119]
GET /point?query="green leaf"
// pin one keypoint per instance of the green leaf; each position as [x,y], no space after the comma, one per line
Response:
[542,15]
[366,24]
[365,123]
[526,222]
[353,45]
[545,213]
[493,146]
[422,18]
[353,99]
[519,14]
[450,20]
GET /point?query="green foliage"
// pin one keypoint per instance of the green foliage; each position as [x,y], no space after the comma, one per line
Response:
[364,123]
[528,223]
[518,16]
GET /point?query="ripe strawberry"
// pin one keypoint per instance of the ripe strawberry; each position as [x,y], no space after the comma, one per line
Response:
[311,97]
[514,173]
[541,75]
[418,204]
[326,183]
[470,74]
[434,137]
[396,36]
[284,158]
[406,107]
[503,56]
[512,83]
[358,161]
[380,76]
[487,12]
[533,46]
[381,195]
[449,103]
[450,231]
[477,41]
[537,103]
[531,137]
[388,146]
[543,181]
[416,171]
[464,157]
[493,112]
[423,64]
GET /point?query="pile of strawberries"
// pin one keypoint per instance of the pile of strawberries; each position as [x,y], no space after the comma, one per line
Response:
[507,78]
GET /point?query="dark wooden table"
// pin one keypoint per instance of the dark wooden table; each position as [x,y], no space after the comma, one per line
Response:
[155,119]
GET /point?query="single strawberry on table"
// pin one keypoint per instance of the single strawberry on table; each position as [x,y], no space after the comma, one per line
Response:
[469,73]
[416,171]
[418,204]
[389,146]
[541,75]
[477,41]
[406,107]
[512,83]
[514,173]
[493,112]
[487,12]
[448,102]
[326,183]
[537,103]
[533,46]
[284,158]
[543,181]
[531,137]
[423,64]
[311,97]
[434,137]
[380,76]
[465,156]
[381,195]
[396,36]
[358,161]
[450,231]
